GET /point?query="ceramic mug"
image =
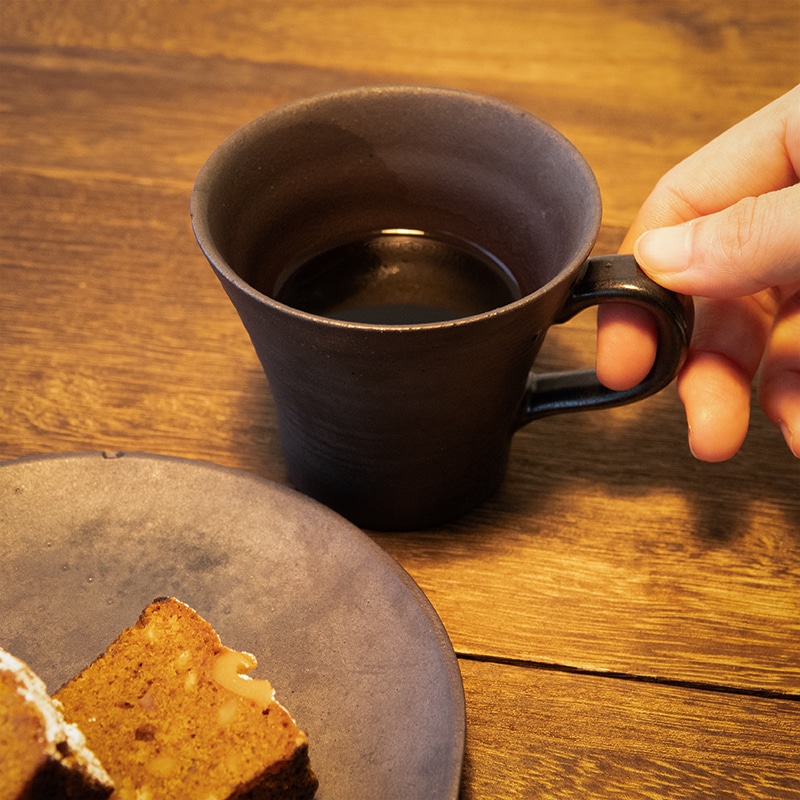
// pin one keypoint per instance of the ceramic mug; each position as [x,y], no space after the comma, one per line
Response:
[402,422]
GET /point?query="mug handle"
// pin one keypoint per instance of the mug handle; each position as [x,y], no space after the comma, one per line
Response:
[614,278]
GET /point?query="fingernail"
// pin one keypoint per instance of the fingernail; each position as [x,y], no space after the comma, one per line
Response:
[689,439]
[664,250]
[788,434]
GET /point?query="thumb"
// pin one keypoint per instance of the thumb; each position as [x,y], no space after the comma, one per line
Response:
[750,246]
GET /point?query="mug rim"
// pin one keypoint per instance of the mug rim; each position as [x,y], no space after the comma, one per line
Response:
[240,138]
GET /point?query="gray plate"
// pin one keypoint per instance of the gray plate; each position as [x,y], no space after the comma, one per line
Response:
[351,644]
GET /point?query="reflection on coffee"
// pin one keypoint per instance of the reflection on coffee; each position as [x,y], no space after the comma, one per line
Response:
[398,277]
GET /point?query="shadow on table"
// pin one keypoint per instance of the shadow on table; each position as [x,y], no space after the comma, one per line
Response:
[642,451]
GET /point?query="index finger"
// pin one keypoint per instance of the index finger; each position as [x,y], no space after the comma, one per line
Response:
[756,156]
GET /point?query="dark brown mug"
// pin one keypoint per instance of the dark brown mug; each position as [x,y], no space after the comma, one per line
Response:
[405,422]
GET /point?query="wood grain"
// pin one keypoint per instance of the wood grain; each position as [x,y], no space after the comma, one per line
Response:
[628,619]
[542,734]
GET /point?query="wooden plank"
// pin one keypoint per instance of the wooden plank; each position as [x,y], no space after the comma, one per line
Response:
[146,361]
[672,74]
[679,572]
[539,734]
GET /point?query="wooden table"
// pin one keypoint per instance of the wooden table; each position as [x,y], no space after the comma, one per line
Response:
[627,620]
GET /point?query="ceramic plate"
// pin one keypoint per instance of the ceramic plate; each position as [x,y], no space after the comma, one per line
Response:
[351,644]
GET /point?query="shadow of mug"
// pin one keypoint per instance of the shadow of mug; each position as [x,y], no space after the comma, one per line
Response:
[358,234]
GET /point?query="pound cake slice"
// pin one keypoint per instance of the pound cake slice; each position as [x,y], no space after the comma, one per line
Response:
[41,756]
[168,711]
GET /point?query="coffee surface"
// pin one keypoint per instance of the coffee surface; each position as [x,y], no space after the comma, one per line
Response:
[398,277]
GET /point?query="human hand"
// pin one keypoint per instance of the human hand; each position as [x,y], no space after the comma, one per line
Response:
[724,226]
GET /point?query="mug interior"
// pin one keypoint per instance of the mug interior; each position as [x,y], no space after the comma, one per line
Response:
[308,175]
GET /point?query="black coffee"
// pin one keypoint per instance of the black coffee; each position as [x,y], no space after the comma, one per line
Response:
[399,277]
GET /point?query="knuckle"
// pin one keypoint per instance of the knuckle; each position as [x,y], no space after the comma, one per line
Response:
[742,232]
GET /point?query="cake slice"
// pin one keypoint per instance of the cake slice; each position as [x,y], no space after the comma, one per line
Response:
[169,713]
[41,756]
